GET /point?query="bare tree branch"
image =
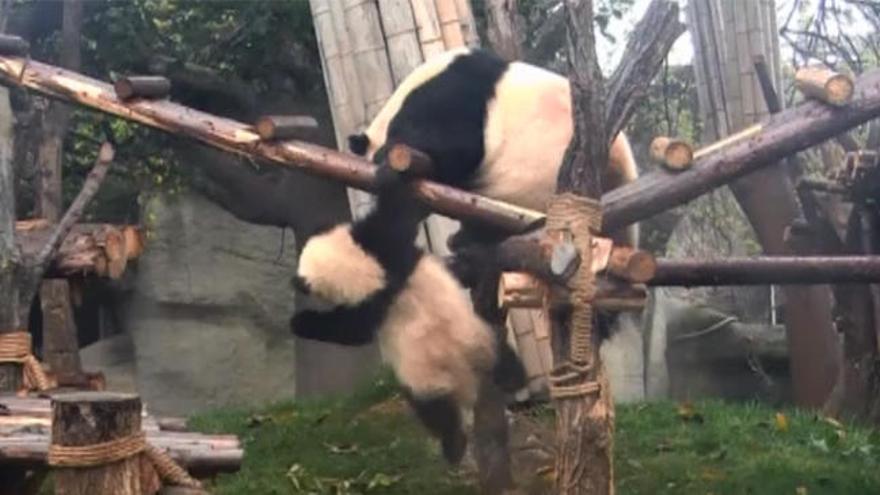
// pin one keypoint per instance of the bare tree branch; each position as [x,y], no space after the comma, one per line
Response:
[652,39]
[72,215]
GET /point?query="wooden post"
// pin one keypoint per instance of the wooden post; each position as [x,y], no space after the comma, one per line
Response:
[89,418]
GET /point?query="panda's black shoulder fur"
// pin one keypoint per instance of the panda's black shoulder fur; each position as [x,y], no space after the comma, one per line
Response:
[445,117]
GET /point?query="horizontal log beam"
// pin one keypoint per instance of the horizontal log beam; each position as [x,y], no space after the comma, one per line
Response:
[236,137]
[783,134]
[767,270]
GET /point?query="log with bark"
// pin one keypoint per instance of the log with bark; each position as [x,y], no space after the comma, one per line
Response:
[786,133]
[101,250]
[767,270]
[26,424]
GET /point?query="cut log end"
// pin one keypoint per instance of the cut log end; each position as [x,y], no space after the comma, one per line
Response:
[141,86]
[632,265]
[410,161]
[674,154]
[13,45]
[275,127]
[825,85]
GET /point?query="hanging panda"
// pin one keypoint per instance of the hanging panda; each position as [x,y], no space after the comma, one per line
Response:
[493,127]
[379,284]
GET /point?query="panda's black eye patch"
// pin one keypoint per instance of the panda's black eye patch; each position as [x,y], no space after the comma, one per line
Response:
[300,284]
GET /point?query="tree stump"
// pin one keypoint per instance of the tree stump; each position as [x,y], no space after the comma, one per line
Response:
[88,418]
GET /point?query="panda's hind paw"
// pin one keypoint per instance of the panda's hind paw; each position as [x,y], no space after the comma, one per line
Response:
[454,447]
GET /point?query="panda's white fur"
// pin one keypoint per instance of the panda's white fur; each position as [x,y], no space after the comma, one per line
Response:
[527,130]
[430,335]
[338,270]
[433,339]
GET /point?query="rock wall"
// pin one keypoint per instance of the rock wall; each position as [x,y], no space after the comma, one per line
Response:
[209,312]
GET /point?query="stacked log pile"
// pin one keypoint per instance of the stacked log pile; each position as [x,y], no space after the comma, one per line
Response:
[25,427]
[101,250]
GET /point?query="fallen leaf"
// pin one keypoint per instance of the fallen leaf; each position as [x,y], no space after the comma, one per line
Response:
[833,422]
[382,480]
[781,422]
[255,420]
[344,448]
[687,413]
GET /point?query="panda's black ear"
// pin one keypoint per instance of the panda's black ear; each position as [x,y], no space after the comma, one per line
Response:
[358,143]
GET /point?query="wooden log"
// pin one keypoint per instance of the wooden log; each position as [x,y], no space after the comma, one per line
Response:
[786,133]
[13,46]
[780,135]
[236,137]
[674,154]
[27,444]
[762,72]
[631,264]
[520,290]
[151,87]
[766,270]
[409,161]
[90,249]
[172,424]
[89,418]
[278,127]
[615,295]
[825,85]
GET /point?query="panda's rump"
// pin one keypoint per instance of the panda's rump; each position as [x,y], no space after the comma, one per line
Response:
[433,339]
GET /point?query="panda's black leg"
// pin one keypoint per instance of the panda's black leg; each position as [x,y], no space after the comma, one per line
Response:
[442,418]
[509,373]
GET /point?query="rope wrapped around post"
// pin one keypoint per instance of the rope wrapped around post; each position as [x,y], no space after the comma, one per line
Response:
[122,448]
[580,218]
[15,347]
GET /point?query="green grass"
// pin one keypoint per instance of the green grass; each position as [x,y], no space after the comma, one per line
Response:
[741,449]
[338,447]
[344,446]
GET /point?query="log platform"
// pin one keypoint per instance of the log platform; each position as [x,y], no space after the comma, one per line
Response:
[26,424]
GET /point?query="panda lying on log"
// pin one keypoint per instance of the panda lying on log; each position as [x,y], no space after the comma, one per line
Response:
[497,128]
[380,284]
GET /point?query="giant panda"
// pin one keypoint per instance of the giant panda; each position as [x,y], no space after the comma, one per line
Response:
[494,127]
[379,284]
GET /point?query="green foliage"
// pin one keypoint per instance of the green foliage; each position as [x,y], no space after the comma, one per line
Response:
[732,449]
[253,42]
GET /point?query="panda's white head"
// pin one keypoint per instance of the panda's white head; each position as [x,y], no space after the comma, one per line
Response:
[335,268]
[367,143]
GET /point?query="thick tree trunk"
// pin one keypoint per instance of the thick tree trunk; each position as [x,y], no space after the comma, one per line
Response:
[504,28]
[60,343]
